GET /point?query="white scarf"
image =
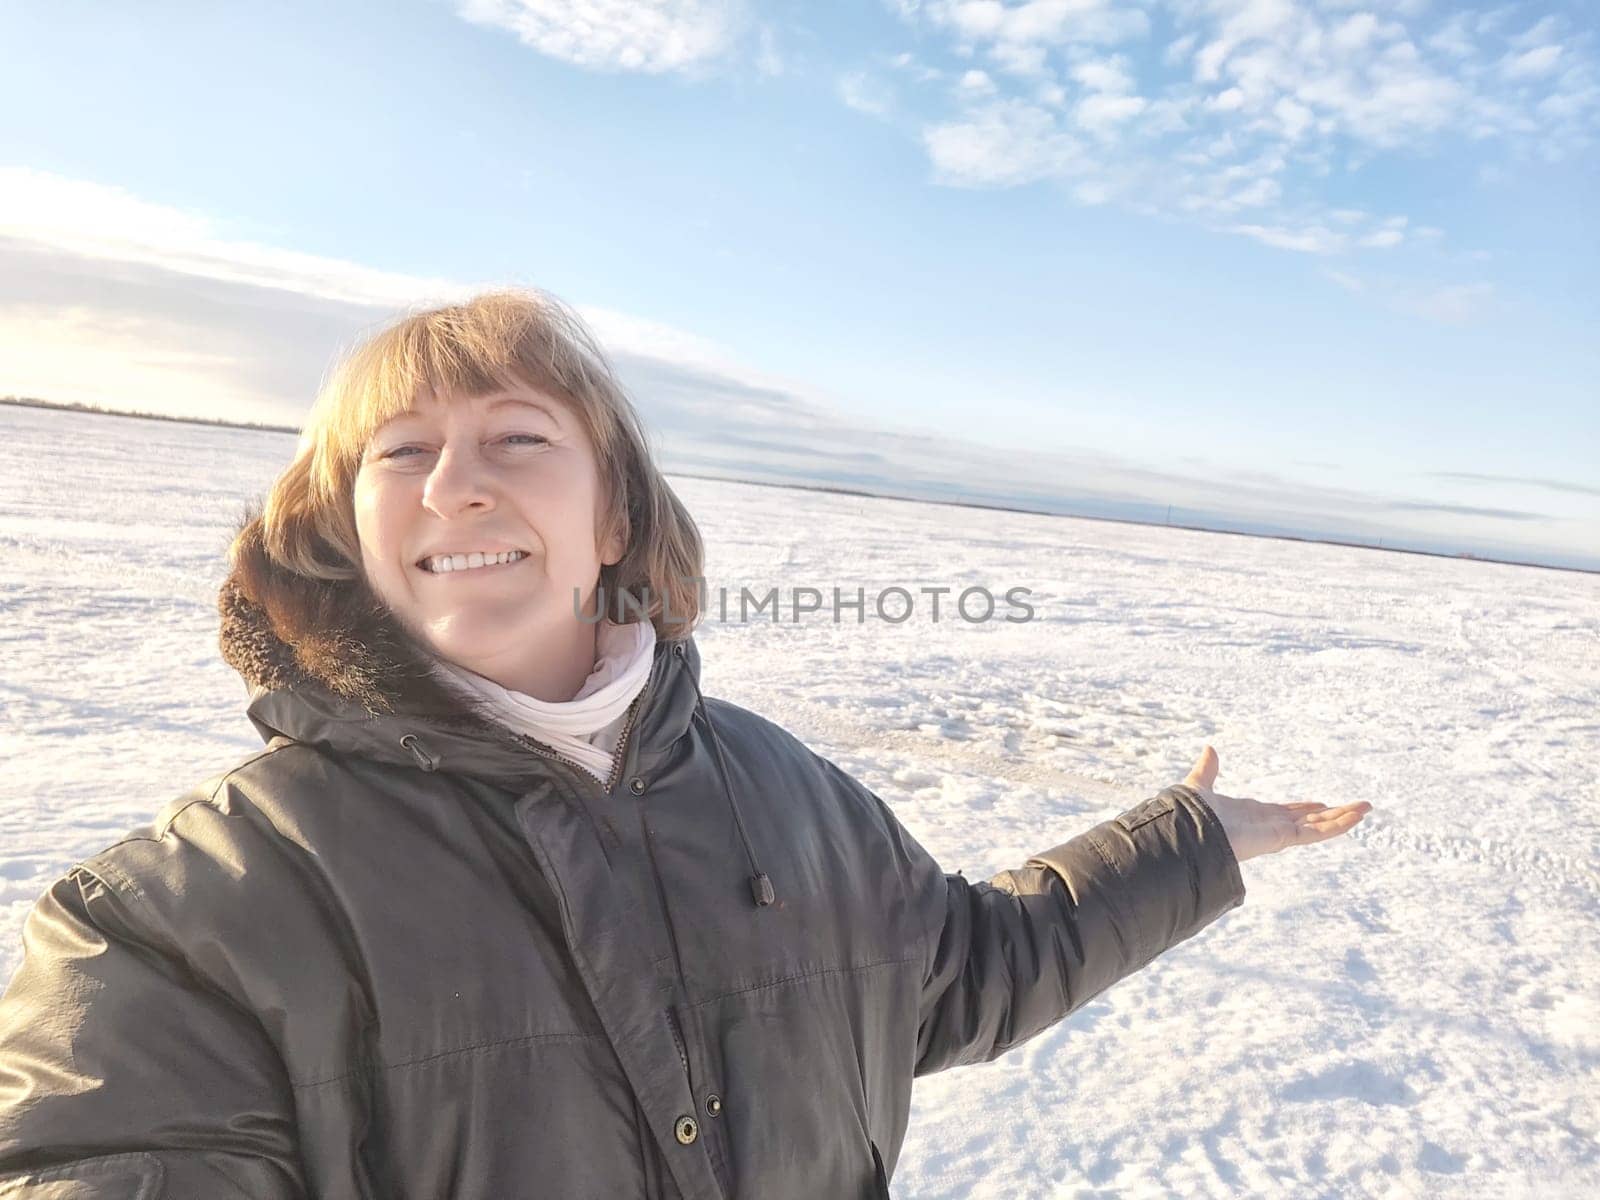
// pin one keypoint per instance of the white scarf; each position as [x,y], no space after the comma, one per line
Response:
[586,728]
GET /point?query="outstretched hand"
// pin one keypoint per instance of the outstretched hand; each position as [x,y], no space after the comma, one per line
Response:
[1255,828]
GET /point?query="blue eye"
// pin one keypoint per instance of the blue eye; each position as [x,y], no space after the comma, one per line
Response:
[535,438]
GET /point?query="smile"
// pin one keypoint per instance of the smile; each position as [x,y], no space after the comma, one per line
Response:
[447,564]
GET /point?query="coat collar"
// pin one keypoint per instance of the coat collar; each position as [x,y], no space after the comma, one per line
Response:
[357,684]
[353,682]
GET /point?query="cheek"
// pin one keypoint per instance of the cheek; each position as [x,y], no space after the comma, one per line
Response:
[374,513]
[583,539]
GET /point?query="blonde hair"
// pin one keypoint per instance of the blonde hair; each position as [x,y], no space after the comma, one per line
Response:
[306,525]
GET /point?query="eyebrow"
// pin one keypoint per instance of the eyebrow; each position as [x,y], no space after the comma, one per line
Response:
[502,402]
[505,400]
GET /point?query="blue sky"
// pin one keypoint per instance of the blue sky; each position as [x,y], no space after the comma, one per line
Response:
[1328,267]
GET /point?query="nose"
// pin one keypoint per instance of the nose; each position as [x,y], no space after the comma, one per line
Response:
[457,483]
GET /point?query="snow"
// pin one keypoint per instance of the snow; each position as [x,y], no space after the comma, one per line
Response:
[1412,1010]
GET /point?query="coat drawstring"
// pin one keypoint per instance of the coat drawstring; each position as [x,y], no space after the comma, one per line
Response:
[761,890]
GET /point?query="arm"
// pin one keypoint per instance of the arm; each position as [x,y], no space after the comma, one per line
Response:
[123,1075]
[1009,958]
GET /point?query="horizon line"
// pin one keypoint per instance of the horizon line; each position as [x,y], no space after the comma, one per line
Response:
[837,489]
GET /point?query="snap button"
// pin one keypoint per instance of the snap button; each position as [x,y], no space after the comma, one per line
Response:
[714,1105]
[636,786]
[687,1129]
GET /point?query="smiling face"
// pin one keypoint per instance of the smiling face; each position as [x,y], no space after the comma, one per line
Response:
[510,475]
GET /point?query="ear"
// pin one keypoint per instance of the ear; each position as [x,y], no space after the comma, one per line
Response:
[611,550]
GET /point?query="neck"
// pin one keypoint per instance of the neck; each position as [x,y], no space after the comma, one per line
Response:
[556,674]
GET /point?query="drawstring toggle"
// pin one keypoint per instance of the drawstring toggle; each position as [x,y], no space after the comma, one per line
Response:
[426,759]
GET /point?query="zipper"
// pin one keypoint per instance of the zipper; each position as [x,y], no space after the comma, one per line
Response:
[672,938]
[618,757]
[588,780]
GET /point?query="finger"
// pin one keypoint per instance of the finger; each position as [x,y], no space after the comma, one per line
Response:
[1319,830]
[1319,827]
[1204,773]
[1360,808]
[1304,806]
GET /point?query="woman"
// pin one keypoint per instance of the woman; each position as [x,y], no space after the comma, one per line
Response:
[506,906]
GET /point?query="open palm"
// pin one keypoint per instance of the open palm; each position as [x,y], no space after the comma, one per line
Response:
[1255,828]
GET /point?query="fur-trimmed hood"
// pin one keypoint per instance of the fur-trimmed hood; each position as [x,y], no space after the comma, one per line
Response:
[330,667]
[327,664]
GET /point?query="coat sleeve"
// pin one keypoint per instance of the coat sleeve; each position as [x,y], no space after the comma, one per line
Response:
[123,1075]
[1008,958]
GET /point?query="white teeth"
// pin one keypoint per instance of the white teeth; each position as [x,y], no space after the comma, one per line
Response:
[444,563]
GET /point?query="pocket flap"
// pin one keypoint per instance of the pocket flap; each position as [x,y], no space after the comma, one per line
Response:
[1143,814]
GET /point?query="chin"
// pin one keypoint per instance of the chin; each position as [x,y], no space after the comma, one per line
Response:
[482,638]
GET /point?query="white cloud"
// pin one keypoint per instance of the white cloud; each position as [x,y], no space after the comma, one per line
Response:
[768,60]
[1018,58]
[1310,240]
[1093,193]
[1355,32]
[1103,112]
[1294,118]
[1104,75]
[866,94]
[146,276]
[1179,49]
[1007,143]
[1454,305]
[1261,192]
[1033,22]
[1546,29]
[1455,38]
[1227,100]
[1541,60]
[97,221]
[653,36]
[920,71]
[1167,115]
[976,83]
[1264,107]
[1450,304]
[172,316]
[1579,100]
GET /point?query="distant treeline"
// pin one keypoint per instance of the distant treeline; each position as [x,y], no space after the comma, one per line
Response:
[74,406]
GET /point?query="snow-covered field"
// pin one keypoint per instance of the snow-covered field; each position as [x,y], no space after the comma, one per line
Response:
[1412,1010]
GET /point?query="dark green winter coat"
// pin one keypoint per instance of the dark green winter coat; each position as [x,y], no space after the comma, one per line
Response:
[413,955]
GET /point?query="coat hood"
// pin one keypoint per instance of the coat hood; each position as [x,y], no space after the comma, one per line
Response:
[358,683]
[328,665]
